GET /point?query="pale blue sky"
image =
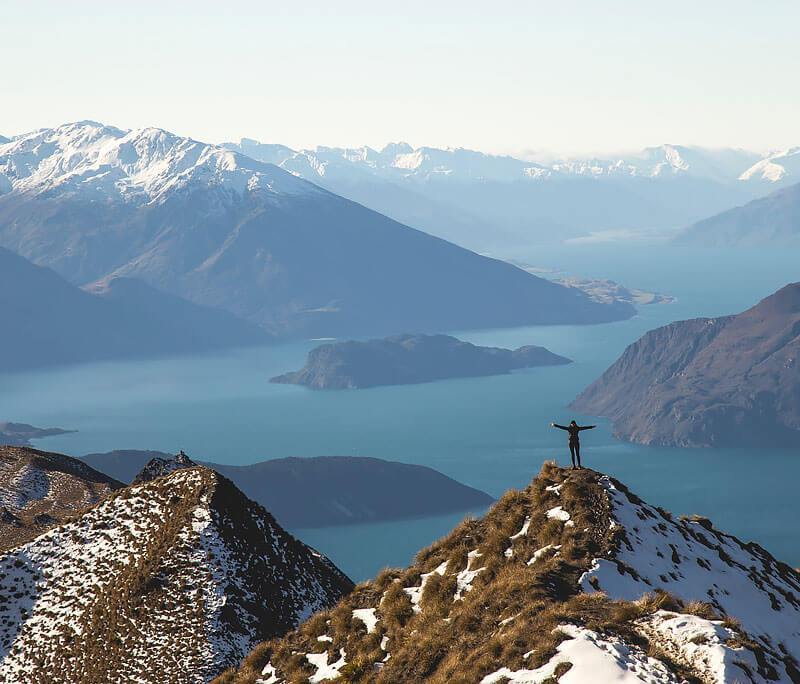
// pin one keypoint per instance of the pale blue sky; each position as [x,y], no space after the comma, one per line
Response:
[572,76]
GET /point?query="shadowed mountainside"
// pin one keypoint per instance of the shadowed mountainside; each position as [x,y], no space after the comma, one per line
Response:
[49,321]
[321,491]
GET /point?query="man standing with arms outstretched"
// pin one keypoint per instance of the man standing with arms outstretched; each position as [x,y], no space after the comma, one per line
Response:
[574,439]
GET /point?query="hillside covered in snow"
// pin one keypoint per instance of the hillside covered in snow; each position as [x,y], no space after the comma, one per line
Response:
[574,579]
[224,230]
[171,580]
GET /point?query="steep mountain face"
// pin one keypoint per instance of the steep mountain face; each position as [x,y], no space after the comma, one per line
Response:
[408,359]
[574,579]
[321,491]
[39,489]
[49,321]
[224,230]
[730,381]
[770,220]
[482,200]
[171,580]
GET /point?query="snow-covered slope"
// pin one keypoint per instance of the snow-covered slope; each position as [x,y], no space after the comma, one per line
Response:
[142,165]
[776,168]
[574,580]
[171,580]
[401,160]
[38,488]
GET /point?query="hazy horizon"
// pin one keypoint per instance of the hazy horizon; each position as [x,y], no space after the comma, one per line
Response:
[532,80]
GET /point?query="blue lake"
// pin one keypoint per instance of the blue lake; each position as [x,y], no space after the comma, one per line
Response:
[491,433]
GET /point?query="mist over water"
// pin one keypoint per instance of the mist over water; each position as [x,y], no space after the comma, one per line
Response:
[491,433]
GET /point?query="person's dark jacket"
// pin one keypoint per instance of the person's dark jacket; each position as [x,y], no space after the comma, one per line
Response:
[574,430]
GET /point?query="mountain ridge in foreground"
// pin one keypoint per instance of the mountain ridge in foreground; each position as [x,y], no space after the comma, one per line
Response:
[574,579]
[410,359]
[726,381]
[171,580]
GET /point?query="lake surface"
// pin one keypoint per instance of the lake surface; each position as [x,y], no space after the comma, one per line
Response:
[491,433]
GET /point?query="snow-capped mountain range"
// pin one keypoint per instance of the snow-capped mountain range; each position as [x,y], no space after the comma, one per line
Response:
[401,160]
[143,165]
[484,201]
[222,229]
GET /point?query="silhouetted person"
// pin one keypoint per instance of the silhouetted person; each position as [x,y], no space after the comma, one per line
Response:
[574,439]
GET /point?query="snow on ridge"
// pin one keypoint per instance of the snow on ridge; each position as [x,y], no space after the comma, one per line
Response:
[141,165]
[693,562]
[593,658]
[707,646]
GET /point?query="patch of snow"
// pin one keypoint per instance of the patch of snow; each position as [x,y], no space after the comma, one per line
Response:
[324,669]
[415,593]
[594,658]
[541,552]
[368,617]
[524,529]
[701,644]
[465,577]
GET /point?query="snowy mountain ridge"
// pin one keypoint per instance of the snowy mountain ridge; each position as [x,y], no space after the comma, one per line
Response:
[401,160]
[142,165]
[574,579]
[170,580]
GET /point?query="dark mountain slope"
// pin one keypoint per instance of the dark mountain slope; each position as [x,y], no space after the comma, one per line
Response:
[574,579]
[730,381]
[49,321]
[168,581]
[322,491]
[770,220]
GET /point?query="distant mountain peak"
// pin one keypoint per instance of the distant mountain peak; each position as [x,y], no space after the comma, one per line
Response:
[139,165]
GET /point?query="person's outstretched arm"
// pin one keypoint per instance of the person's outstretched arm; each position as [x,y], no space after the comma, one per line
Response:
[560,427]
[587,427]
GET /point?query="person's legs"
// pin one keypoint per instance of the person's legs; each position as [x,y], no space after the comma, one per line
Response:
[572,453]
[578,454]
